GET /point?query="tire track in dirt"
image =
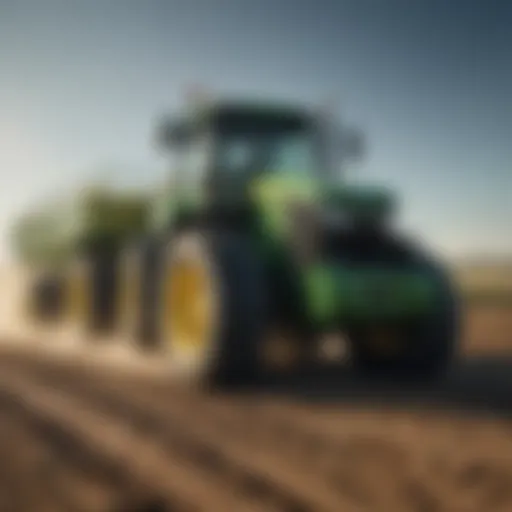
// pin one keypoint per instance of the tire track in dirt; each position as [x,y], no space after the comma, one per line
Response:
[297,436]
[294,458]
[112,447]
[209,434]
[321,461]
[22,460]
[298,440]
[380,461]
[37,475]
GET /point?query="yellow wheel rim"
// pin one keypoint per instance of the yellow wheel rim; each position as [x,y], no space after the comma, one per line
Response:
[189,315]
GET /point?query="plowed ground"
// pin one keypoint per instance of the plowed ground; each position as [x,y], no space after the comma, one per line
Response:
[78,436]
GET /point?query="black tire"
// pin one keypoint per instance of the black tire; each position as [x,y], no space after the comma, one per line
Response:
[233,357]
[45,298]
[431,343]
[94,278]
[104,284]
[78,298]
[141,329]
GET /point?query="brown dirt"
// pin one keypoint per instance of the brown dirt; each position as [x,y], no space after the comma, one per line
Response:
[488,329]
[76,436]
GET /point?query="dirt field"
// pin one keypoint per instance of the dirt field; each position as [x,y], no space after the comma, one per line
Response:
[488,329]
[77,435]
[102,430]
[484,277]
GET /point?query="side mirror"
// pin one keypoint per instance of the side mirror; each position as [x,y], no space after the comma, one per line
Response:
[172,134]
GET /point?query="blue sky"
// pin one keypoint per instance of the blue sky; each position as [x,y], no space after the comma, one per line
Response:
[82,83]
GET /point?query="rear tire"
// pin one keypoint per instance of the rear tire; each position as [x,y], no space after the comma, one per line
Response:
[147,258]
[78,296]
[139,278]
[229,356]
[89,301]
[44,304]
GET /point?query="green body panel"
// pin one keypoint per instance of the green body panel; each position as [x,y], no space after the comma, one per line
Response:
[334,293]
[364,201]
[338,294]
[274,195]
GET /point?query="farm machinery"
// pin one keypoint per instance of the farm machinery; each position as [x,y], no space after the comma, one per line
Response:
[73,249]
[260,256]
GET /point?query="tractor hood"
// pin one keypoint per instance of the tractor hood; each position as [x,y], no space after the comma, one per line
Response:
[368,202]
[359,201]
[293,208]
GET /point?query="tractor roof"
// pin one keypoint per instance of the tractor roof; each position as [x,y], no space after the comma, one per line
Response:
[256,109]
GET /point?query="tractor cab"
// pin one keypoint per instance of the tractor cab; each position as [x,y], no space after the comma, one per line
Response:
[225,146]
[233,154]
[229,143]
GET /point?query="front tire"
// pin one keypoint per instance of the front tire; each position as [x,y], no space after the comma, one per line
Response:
[430,344]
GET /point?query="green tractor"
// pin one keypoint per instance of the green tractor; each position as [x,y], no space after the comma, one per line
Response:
[260,254]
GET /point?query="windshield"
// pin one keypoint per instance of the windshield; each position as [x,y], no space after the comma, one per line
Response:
[275,146]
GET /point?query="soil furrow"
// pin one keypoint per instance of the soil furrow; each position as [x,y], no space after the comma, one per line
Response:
[193,428]
[114,448]
[55,483]
[247,421]
[382,459]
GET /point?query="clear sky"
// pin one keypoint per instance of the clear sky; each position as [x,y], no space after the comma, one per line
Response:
[82,82]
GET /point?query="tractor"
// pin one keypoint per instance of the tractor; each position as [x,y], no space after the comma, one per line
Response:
[262,256]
